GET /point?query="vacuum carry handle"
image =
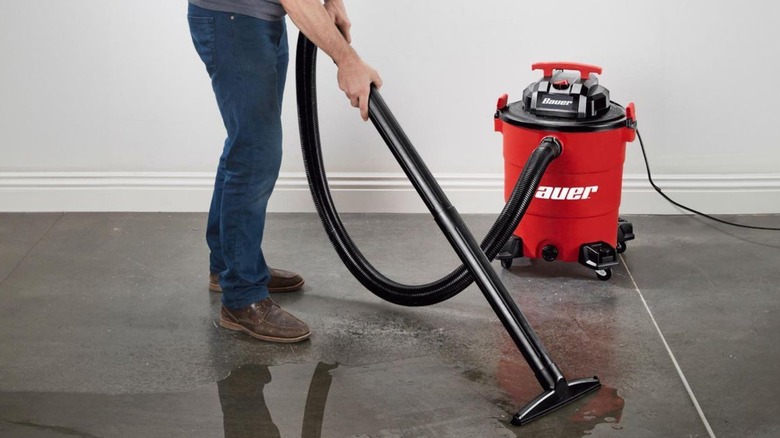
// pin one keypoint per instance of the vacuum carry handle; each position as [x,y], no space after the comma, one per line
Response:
[584,69]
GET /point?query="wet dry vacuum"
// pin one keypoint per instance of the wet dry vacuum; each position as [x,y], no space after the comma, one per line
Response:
[564,146]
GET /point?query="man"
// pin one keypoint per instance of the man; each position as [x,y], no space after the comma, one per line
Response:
[243,44]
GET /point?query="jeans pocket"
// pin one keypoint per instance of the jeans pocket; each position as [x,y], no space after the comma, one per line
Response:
[204,37]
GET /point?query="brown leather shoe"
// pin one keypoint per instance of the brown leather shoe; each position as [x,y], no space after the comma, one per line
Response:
[284,281]
[281,281]
[266,321]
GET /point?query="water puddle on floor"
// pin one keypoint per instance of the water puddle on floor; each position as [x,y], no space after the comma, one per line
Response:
[410,398]
[605,407]
[580,419]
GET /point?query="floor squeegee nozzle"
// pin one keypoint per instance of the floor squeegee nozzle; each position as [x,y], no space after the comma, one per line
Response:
[549,401]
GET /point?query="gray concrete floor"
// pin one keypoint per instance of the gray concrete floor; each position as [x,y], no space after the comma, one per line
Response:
[107,329]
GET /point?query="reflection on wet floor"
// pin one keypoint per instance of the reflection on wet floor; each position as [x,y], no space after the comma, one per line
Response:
[409,398]
[245,412]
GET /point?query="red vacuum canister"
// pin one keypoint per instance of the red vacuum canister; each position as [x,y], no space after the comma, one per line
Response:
[574,214]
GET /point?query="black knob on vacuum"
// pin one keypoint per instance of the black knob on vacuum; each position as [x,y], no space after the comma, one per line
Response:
[549,253]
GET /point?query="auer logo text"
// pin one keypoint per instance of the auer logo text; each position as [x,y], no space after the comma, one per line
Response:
[548,101]
[566,193]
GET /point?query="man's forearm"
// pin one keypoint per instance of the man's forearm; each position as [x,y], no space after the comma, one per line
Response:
[324,24]
[313,20]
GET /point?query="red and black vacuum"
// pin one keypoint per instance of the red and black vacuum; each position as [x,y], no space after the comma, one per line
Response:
[574,216]
[534,142]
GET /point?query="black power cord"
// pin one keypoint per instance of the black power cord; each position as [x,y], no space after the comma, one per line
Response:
[660,192]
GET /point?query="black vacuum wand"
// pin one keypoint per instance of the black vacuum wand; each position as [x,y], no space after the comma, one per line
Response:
[557,390]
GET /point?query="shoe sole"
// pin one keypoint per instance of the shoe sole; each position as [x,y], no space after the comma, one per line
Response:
[240,328]
[296,287]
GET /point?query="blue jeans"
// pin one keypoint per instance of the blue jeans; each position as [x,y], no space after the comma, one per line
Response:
[246,59]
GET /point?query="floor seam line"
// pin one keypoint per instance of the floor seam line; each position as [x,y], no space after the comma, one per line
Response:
[671,354]
[34,245]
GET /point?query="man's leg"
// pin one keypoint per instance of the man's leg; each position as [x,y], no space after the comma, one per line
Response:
[242,55]
[280,280]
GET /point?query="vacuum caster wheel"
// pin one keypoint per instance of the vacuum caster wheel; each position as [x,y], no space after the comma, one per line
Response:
[621,247]
[604,274]
[506,263]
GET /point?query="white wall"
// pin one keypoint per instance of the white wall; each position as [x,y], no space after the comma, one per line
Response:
[105,106]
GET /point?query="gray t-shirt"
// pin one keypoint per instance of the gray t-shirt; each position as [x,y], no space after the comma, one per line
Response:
[266,9]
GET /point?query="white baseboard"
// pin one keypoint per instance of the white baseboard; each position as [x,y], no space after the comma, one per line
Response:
[361,192]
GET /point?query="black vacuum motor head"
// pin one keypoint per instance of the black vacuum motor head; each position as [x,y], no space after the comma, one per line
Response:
[567,90]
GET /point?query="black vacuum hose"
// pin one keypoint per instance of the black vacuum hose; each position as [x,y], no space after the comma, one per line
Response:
[385,288]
